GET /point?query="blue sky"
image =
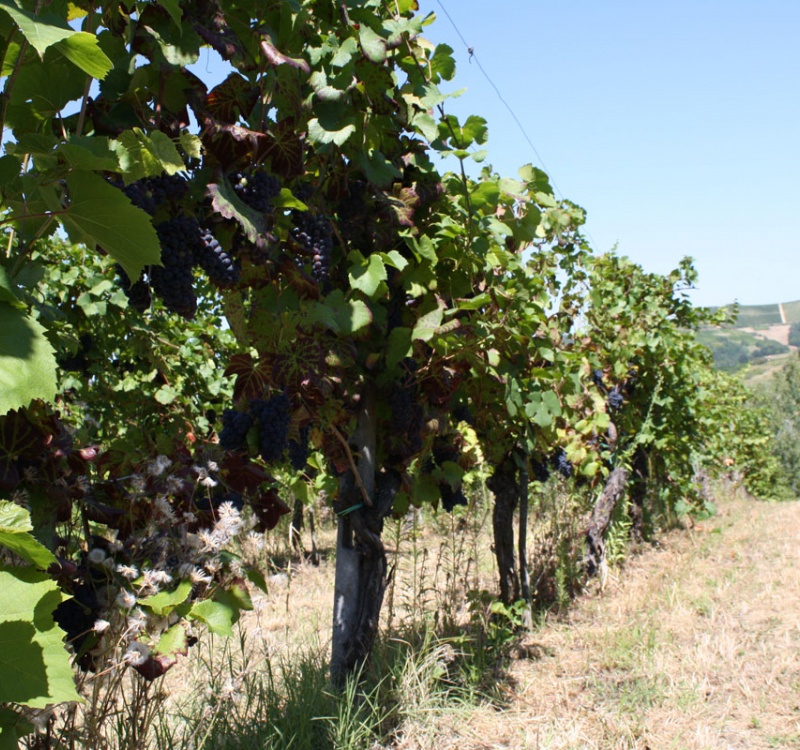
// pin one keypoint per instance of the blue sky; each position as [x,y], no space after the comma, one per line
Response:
[675,125]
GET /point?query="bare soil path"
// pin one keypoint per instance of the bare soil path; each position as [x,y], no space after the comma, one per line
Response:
[695,644]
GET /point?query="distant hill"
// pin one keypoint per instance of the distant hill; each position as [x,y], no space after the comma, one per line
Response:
[761,340]
[760,316]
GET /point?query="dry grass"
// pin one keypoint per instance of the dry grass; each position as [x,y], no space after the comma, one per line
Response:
[694,644]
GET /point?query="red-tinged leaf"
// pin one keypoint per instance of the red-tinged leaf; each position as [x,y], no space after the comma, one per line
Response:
[20,437]
[156,666]
[234,145]
[231,99]
[286,150]
[243,475]
[276,57]
[269,508]
[252,378]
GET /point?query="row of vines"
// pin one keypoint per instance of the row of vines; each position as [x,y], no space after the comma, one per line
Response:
[216,299]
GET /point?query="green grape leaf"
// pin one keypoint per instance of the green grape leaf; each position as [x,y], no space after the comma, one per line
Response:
[82,49]
[398,346]
[164,602]
[228,204]
[144,155]
[377,168]
[173,7]
[373,45]
[27,361]
[99,214]
[442,62]
[92,153]
[34,664]
[42,30]
[366,274]
[12,729]
[427,326]
[217,617]
[340,315]
[15,523]
[172,641]
[10,167]
[7,292]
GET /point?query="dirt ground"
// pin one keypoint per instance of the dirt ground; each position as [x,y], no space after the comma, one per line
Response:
[779,333]
[695,644]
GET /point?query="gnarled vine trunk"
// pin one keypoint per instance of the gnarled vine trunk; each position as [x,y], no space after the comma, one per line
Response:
[504,484]
[601,518]
[361,566]
[522,547]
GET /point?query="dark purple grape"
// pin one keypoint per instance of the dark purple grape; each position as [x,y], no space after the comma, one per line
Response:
[138,294]
[151,193]
[450,497]
[597,379]
[219,266]
[235,426]
[407,417]
[256,189]
[562,464]
[313,236]
[615,400]
[299,450]
[540,471]
[272,418]
[173,282]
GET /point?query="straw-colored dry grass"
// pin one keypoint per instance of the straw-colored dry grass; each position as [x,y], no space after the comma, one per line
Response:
[694,644]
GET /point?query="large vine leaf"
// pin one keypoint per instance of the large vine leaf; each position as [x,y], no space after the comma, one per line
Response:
[15,523]
[218,617]
[340,315]
[27,361]
[34,666]
[145,155]
[164,602]
[12,729]
[46,30]
[82,50]
[366,274]
[41,30]
[228,204]
[101,215]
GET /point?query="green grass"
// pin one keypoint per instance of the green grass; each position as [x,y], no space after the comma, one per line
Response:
[248,702]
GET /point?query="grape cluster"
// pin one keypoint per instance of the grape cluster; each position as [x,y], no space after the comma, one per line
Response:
[407,418]
[540,471]
[299,450]
[451,497]
[313,235]
[272,418]
[184,245]
[173,282]
[138,294]
[210,256]
[235,426]
[597,379]
[615,399]
[149,194]
[562,464]
[256,189]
